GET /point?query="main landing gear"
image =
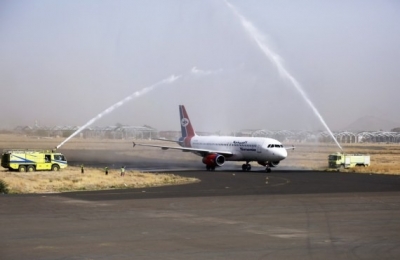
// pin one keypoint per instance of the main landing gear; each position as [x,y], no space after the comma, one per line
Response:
[210,168]
[246,167]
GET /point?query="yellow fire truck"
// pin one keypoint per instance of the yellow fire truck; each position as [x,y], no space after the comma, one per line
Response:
[32,160]
[342,160]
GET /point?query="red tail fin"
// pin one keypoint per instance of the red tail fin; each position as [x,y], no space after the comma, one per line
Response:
[186,126]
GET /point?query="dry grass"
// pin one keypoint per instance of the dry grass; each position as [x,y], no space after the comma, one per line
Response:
[71,179]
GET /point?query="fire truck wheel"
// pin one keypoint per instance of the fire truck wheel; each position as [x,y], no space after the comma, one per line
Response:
[30,168]
[21,168]
[55,168]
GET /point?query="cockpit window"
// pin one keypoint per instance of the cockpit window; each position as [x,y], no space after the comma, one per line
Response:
[275,146]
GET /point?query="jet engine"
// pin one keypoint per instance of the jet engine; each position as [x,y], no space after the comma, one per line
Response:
[214,160]
[273,164]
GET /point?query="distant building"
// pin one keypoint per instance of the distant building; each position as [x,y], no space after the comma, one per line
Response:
[148,132]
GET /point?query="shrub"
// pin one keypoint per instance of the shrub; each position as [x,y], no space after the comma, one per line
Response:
[3,187]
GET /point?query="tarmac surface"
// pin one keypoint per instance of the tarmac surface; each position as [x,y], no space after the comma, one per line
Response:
[229,214]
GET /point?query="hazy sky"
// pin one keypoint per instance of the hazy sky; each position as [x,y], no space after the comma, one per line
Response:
[63,62]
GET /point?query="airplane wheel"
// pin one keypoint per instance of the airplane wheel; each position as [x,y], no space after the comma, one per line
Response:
[207,167]
[268,169]
[248,167]
[212,168]
[244,167]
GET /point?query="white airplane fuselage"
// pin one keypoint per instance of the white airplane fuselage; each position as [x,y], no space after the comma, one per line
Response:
[242,148]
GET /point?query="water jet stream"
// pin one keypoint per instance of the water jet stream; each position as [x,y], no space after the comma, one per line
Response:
[259,38]
[137,94]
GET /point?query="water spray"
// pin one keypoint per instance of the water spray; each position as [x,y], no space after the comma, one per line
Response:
[198,72]
[259,38]
[137,94]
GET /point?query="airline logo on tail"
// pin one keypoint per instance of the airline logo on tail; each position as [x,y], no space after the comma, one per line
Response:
[184,122]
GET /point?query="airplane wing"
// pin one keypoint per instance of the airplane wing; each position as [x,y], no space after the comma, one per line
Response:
[166,140]
[202,152]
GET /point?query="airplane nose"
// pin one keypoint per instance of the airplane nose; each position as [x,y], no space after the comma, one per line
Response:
[281,154]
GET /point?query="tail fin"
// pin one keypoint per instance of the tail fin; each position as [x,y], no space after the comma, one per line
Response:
[186,126]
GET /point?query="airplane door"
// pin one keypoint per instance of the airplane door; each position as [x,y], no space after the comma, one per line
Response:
[258,148]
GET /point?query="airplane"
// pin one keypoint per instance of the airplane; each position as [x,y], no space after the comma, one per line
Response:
[215,150]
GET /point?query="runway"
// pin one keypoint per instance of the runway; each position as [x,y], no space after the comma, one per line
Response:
[227,215]
[233,183]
